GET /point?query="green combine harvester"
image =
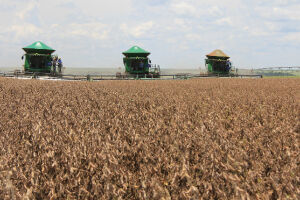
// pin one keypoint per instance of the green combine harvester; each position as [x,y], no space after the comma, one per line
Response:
[39,59]
[218,63]
[138,65]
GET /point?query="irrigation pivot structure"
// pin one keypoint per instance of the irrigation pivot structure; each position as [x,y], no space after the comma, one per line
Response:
[295,68]
[290,71]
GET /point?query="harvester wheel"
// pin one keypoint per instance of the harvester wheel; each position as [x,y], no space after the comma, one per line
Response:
[118,75]
[35,75]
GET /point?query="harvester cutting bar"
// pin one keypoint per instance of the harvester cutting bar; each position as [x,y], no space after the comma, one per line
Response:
[98,77]
[227,76]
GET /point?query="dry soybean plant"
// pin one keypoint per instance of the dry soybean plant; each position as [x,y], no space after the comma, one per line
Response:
[189,139]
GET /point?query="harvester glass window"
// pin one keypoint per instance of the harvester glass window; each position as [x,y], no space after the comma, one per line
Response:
[35,61]
[219,65]
[134,65]
[137,64]
[38,61]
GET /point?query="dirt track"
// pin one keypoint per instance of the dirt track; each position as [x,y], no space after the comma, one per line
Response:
[212,138]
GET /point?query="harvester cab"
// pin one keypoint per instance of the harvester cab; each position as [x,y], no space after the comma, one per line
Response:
[137,64]
[218,62]
[39,59]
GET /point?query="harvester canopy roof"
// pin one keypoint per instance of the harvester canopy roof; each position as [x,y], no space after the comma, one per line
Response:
[38,47]
[218,53]
[136,51]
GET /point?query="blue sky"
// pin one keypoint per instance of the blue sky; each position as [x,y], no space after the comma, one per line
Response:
[178,33]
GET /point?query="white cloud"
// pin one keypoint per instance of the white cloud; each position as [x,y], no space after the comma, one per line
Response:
[193,36]
[225,20]
[215,11]
[139,30]
[183,8]
[24,30]
[104,7]
[26,10]
[292,38]
[291,12]
[94,30]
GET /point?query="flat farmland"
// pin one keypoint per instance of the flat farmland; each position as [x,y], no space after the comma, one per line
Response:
[188,139]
